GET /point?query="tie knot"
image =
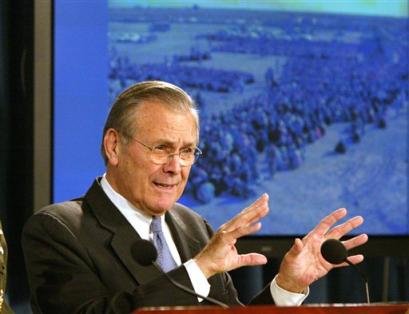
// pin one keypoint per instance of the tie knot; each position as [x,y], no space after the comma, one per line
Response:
[156,225]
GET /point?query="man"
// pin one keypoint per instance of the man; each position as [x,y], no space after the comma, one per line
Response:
[81,255]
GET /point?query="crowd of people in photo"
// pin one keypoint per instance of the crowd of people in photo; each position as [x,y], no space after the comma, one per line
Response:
[270,133]
[188,76]
[321,83]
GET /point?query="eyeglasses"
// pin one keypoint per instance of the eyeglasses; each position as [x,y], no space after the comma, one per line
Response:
[161,154]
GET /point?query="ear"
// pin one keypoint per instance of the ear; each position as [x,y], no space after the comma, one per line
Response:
[112,142]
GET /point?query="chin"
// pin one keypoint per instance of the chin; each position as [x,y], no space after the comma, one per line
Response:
[162,207]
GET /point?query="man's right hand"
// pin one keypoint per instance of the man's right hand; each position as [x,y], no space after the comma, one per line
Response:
[220,254]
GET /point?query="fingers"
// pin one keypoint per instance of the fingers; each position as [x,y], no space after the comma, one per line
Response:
[246,222]
[353,259]
[231,236]
[326,223]
[337,232]
[355,241]
[220,253]
[252,259]
[342,229]
[250,215]
[296,248]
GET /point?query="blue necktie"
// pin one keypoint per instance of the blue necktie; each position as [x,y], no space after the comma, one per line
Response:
[165,259]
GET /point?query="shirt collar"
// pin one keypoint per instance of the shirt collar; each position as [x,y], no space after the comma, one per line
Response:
[136,217]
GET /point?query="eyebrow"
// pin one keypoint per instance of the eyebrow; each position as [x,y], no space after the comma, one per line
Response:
[173,144]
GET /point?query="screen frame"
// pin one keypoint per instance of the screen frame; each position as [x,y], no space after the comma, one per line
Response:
[271,246]
[43,95]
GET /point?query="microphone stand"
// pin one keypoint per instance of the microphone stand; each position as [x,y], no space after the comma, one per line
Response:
[363,277]
[149,258]
[187,290]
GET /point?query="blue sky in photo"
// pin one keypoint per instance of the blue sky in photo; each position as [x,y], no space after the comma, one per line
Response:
[394,8]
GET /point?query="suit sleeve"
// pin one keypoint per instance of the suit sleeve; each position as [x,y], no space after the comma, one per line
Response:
[63,278]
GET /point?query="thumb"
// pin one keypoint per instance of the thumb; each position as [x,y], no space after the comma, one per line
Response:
[297,247]
[252,259]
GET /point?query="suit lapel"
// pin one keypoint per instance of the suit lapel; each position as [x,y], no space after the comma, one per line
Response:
[123,243]
[188,247]
[124,235]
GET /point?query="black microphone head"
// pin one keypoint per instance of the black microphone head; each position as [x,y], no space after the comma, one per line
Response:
[334,251]
[144,252]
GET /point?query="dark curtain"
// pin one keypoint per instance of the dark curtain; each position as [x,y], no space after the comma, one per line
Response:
[16,136]
[388,279]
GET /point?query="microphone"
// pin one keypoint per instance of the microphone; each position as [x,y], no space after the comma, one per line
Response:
[335,252]
[149,256]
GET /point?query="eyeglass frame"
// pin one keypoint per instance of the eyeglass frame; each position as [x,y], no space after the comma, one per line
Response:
[196,154]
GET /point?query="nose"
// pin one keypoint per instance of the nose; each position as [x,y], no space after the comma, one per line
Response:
[173,164]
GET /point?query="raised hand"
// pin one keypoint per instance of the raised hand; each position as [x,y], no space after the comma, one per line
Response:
[220,253]
[303,264]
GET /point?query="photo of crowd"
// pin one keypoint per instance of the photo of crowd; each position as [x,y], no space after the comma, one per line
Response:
[277,91]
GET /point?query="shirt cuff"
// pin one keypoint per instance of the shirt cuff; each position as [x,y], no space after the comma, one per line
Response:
[283,297]
[197,278]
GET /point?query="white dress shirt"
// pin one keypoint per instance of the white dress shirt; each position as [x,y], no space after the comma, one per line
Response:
[141,223]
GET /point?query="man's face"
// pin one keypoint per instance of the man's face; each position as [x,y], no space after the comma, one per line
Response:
[150,187]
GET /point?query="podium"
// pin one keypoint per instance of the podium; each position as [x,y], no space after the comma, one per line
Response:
[377,308]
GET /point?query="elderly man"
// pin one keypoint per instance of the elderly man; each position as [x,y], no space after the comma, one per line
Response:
[81,255]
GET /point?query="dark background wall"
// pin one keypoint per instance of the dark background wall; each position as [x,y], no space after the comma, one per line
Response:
[388,276]
[16,136]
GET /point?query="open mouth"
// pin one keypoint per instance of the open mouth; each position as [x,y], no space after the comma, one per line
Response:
[165,186]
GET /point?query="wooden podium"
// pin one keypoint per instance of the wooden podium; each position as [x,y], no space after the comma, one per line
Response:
[376,308]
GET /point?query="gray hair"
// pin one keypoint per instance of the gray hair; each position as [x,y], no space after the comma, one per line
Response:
[121,115]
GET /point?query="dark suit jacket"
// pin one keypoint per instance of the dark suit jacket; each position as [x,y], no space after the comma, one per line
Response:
[78,260]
